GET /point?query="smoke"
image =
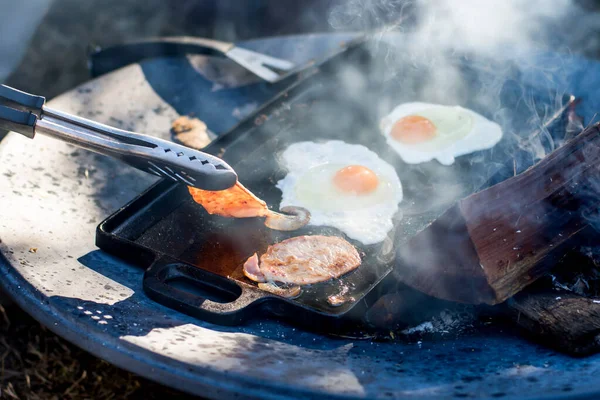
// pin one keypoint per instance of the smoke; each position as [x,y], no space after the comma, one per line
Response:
[476,53]
[487,26]
[482,26]
[439,35]
[463,53]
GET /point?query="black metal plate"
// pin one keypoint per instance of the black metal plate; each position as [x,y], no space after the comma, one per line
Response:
[169,226]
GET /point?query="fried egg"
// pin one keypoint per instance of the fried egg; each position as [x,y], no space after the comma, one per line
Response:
[421,132]
[345,186]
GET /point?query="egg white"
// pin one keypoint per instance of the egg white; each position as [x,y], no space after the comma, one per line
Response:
[477,133]
[366,218]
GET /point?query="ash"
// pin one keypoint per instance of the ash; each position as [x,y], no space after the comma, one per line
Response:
[578,272]
[449,321]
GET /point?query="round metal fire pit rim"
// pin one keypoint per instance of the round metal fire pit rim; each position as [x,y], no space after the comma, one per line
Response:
[155,367]
[61,317]
[123,354]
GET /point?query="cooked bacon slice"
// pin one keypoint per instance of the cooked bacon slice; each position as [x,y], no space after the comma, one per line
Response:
[191,132]
[252,270]
[236,202]
[290,292]
[303,260]
[239,202]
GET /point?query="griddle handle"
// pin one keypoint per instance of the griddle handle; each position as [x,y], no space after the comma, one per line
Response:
[162,283]
[102,61]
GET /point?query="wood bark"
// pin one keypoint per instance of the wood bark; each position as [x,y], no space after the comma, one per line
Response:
[492,244]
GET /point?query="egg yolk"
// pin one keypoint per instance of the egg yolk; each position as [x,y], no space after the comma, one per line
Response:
[413,129]
[356,179]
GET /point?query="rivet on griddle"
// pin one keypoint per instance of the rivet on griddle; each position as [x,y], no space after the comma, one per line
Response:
[179,154]
[167,150]
[192,158]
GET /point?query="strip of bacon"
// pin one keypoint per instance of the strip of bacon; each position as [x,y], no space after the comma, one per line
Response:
[236,202]
[239,202]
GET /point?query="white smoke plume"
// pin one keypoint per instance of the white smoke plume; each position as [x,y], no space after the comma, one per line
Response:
[489,26]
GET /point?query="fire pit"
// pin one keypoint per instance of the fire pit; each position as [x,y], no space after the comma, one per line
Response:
[53,270]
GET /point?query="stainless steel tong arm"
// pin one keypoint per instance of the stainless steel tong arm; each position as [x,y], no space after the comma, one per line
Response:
[26,114]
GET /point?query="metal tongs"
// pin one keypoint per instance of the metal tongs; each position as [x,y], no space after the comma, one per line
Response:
[26,114]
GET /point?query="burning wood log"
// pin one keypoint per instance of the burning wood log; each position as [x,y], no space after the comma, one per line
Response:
[563,320]
[492,244]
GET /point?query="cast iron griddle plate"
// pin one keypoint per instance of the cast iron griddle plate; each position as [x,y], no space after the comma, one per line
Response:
[344,102]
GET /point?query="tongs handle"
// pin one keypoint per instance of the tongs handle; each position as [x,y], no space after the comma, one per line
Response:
[22,101]
[19,110]
[22,122]
[26,114]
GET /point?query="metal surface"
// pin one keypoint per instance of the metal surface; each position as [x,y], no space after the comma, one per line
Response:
[208,252]
[264,66]
[97,301]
